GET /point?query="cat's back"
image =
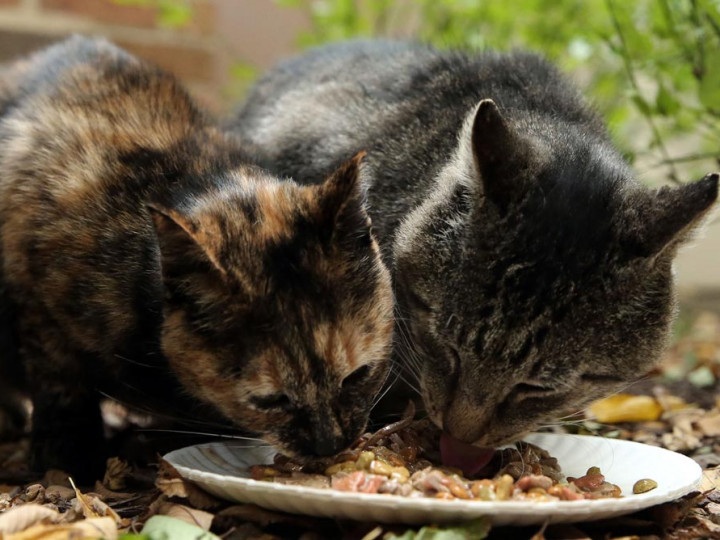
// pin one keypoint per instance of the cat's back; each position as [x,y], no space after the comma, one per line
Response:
[82,115]
[87,131]
[89,88]
[346,93]
[44,71]
[386,72]
[404,103]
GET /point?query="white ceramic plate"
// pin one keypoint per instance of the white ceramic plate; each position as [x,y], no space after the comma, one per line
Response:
[221,469]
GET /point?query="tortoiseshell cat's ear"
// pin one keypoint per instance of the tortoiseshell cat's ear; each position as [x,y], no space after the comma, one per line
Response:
[184,245]
[342,200]
[667,217]
[499,154]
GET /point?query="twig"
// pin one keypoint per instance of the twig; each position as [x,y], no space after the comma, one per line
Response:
[627,63]
[685,159]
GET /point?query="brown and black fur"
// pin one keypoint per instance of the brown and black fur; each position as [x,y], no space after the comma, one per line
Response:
[143,259]
[533,272]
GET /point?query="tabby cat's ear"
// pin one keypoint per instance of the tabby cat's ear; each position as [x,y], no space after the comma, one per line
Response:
[669,216]
[499,154]
[342,200]
[184,246]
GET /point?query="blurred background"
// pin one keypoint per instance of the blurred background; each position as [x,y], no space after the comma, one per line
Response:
[652,67]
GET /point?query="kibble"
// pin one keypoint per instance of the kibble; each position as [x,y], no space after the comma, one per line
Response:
[644,485]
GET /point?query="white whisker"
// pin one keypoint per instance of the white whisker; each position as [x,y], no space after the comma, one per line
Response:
[202,433]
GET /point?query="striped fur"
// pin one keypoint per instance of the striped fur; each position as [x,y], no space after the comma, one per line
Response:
[533,272]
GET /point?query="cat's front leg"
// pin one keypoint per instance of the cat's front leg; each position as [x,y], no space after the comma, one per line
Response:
[67,432]
[12,413]
[67,426]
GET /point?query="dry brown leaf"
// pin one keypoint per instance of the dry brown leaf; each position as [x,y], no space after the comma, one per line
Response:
[714,510]
[709,425]
[710,479]
[92,507]
[262,517]
[87,529]
[55,477]
[670,402]
[5,502]
[116,473]
[34,493]
[172,484]
[112,496]
[57,494]
[189,515]
[21,517]
[169,481]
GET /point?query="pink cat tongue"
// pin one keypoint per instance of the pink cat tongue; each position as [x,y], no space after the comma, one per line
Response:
[466,457]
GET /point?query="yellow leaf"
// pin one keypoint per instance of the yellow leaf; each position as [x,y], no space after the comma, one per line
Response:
[625,408]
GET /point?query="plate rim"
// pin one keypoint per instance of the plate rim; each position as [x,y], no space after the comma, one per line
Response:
[250,485]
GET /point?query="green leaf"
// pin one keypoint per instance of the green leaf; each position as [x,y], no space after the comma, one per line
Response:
[642,104]
[702,377]
[665,102]
[169,528]
[243,72]
[174,14]
[709,89]
[472,530]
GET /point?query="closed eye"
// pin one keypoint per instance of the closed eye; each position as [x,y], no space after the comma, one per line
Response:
[357,376]
[602,378]
[272,402]
[529,390]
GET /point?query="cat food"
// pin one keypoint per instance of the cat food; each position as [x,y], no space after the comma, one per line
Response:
[644,485]
[401,460]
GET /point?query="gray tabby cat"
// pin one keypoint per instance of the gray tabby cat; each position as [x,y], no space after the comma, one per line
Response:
[533,272]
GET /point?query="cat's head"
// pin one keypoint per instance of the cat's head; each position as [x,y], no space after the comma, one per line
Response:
[538,277]
[278,309]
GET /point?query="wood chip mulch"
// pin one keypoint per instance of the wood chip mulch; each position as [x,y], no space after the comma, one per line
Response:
[685,391]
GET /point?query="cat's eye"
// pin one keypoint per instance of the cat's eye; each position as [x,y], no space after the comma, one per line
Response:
[272,402]
[356,376]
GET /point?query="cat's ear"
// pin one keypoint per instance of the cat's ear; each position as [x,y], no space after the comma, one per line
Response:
[342,199]
[499,154]
[669,216]
[183,245]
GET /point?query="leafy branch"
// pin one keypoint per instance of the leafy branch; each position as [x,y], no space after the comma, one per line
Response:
[663,54]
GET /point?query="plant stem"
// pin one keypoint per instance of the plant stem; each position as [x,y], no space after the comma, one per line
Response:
[627,63]
[685,159]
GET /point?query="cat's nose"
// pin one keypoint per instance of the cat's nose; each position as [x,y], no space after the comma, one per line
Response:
[464,421]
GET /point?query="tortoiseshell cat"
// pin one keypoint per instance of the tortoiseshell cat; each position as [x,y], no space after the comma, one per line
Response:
[533,273]
[145,260]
